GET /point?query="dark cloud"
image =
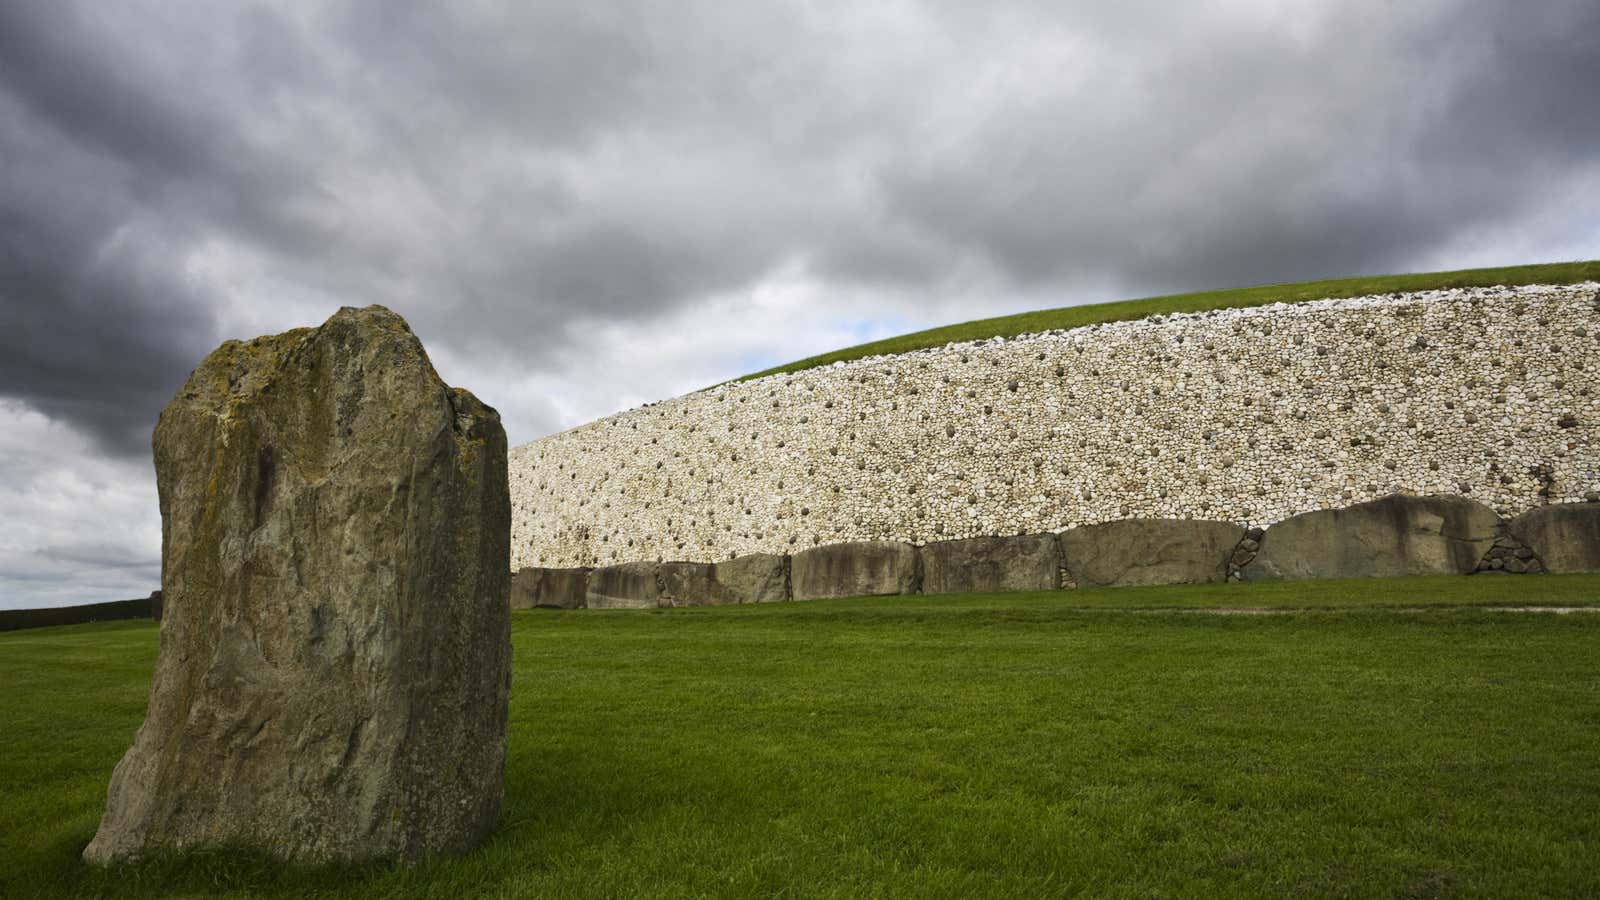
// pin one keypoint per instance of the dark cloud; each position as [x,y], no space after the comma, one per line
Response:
[93,327]
[581,206]
[1229,156]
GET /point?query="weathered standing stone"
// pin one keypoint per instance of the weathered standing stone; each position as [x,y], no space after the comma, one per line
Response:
[1394,535]
[630,585]
[858,569]
[686,584]
[1150,551]
[986,564]
[554,588]
[1565,536]
[756,578]
[335,641]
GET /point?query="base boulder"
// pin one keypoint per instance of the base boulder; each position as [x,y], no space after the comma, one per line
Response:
[988,564]
[629,585]
[756,578]
[553,588]
[860,569]
[1394,535]
[687,584]
[1564,536]
[1150,551]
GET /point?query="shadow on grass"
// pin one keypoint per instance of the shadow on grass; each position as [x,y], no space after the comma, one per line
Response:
[208,871]
[557,804]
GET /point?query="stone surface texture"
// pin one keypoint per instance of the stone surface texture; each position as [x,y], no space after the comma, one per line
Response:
[630,585]
[1565,537]
[687,584]
[857,569]
[987,564]
[1395,535]
[1149,551]
[553,588]
[335,643]
[757,578]
[1248,416]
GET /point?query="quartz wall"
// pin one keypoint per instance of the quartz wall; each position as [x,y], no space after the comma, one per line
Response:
[1249,416]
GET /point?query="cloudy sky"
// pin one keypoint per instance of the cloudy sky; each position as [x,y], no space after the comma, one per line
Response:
[583,206]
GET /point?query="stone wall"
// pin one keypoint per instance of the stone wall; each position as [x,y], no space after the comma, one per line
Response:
[1243,416]
[1400,534]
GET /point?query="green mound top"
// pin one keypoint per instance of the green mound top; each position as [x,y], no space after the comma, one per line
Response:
[1231,298]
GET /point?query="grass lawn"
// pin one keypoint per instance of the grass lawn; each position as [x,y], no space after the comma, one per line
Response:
[1389,738]
[1074,316]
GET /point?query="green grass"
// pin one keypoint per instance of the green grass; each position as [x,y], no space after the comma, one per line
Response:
[1390,738]
[1232,298]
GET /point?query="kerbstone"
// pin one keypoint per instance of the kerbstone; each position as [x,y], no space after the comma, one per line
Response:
[687,584]
[1150,551]
[335,639]
[551,588]
[1394,535]
[1565,536]
[987,564]
[756,578]
[857,569]
[630,585]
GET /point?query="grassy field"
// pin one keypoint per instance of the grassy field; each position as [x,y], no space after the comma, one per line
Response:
[1379,738]
[1074,316]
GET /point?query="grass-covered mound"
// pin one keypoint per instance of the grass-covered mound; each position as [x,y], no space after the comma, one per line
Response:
[1389,738]
[1232,298]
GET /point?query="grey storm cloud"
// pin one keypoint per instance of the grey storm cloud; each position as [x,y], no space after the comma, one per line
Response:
[1233,156]
[527,181]
[501,172]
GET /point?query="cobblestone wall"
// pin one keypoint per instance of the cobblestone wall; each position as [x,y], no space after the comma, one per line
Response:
[1244,415]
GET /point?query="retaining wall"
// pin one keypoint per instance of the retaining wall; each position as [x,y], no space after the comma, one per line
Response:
[1394,535]
[1247,416]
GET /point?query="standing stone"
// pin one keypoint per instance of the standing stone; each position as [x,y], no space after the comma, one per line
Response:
[989,564]
[1150,551]
[553,588]
[1565,536]
[859,569]
[335,641]
[1394,535]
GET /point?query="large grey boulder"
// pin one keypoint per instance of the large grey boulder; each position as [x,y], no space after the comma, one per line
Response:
[335,640]
[1565,536]
[686,584]
[1150,551]
[1394,535]
[988,564]
[756,578]
[630,585]
[553,588]
[860,569]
